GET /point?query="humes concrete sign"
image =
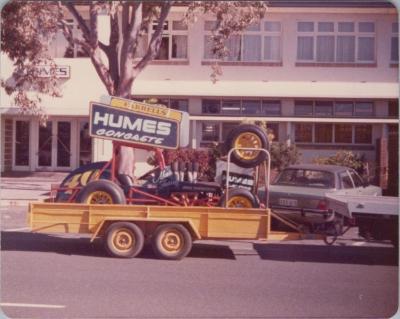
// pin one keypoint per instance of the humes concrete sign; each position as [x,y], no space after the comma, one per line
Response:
[128,126]
[59,71]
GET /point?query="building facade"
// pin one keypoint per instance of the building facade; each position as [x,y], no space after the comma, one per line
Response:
[324,77]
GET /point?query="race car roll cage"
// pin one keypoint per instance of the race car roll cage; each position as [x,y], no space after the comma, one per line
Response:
[184,200]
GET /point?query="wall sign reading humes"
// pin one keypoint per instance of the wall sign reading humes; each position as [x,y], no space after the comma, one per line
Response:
[127,126]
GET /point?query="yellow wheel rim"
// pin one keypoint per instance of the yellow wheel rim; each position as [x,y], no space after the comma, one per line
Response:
[240,201]
[247,140]
[123,240]
[99,197]
[172,241]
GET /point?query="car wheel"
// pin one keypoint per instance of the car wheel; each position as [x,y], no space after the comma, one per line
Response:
[101,192]
[239,198]
[247,136]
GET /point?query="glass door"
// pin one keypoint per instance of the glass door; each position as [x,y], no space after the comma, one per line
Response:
[54,148]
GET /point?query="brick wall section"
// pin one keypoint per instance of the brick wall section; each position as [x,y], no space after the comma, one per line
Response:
[8,137]
[382,163]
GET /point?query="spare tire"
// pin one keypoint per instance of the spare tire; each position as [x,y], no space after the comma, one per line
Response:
[101,192]
[239,198]
[247,136]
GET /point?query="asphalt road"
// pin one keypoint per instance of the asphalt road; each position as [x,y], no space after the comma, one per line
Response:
[46,276]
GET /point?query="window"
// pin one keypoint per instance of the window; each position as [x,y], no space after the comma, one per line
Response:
[271,108]
[211,106]
[363,134]
[303,132]
[343,133]
[323,133]
[327,133]
[251,107]
[61,48]
[323,108]
[241,107]
[337,108]
[346,180]
[178,104]
[174,42]
[210,132]
[394,50]
[343,109]
[336,42]
[22,143]
[231,107]
[364,109]
[358,182]
[260,42]
[303,108]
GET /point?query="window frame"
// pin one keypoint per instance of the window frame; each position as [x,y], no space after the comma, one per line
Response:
[261,32]
[336,33]
[169,33]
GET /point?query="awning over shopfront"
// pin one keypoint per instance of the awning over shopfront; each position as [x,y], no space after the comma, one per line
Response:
[76,101]
[335,90]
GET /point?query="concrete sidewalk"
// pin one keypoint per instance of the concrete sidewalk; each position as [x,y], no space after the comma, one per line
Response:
[18,189]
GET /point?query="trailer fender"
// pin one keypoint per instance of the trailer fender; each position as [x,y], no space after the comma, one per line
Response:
[100,227]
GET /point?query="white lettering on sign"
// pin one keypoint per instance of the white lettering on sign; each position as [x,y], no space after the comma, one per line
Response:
[139,125]
[59,71]
[130,136]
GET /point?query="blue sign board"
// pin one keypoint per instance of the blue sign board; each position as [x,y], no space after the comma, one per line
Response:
[132,127]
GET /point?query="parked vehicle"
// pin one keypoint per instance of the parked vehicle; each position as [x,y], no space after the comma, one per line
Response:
[299,191]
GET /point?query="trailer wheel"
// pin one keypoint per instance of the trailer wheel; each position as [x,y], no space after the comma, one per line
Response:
[101,192]
[239,198]
[124,240]
[247,136]
[172,241]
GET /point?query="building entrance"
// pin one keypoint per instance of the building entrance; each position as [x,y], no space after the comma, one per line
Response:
[54,146]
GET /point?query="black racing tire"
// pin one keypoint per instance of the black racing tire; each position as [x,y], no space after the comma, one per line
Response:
[239,198]
[247,135]
[101,192]
[171,241]
[124,240]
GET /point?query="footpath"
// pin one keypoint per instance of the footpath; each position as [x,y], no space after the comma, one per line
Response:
[18,189]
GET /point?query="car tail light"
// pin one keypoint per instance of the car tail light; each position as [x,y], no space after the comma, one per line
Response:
[322,205]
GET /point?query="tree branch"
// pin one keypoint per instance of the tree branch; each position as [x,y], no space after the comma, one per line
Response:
[81,22]
[155,41]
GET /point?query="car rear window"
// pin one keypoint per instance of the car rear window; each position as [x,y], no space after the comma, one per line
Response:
[306,178]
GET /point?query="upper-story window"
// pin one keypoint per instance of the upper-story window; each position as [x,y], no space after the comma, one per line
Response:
[259,43]
[61,48]
[394,50]
[174,41]
[336,42]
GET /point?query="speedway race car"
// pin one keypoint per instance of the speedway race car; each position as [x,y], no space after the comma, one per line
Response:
[175,184]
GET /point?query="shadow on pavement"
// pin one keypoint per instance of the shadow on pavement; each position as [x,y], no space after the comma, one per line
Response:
[24,241]
[386,256]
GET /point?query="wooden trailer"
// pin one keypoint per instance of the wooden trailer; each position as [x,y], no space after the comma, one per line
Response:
[171,230]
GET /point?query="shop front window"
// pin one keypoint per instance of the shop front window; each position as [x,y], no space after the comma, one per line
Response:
[210,132]
[343,133]
[303,132]
[22,143]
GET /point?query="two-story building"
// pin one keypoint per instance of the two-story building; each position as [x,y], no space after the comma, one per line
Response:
[323,75]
